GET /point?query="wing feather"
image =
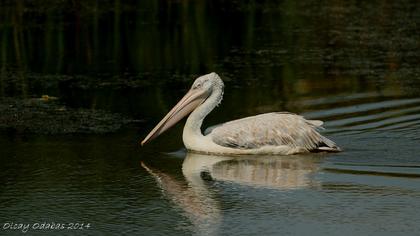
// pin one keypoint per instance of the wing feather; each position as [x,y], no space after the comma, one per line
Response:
[272,129]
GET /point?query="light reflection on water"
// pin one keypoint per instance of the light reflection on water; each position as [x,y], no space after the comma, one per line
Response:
[196,197]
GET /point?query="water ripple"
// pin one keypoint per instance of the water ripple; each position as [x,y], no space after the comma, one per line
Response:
[364,114]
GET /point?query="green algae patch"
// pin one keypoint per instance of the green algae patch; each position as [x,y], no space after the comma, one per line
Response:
[46,115]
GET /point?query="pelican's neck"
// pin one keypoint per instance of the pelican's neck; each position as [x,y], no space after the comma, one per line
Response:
[192,128]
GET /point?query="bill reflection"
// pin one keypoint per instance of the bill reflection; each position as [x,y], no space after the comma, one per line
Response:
[197,198]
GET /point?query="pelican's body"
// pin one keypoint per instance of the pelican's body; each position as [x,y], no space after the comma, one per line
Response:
[271,133]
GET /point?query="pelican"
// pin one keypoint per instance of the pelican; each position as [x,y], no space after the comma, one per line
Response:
[278,133]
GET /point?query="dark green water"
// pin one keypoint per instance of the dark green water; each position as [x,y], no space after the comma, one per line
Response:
[354,65]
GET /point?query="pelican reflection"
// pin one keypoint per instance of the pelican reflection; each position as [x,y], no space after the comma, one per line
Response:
[280,172]
[197,198]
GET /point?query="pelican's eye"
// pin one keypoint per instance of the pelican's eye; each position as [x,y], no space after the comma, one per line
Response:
[197,85]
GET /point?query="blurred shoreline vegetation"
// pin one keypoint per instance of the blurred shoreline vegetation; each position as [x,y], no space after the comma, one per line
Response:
[296,48]
[88,31]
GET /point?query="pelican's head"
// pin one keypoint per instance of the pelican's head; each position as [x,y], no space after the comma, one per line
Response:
[201,89]
[207,82]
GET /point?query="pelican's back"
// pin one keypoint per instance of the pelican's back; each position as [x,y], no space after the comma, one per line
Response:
[273,129]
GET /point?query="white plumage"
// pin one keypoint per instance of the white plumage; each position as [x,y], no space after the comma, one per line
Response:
[271,133]
[272,129]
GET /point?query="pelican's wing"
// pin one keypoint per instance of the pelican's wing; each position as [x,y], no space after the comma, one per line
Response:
[272,129]
[211,128]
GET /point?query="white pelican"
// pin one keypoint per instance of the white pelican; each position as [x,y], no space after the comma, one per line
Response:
[280,133]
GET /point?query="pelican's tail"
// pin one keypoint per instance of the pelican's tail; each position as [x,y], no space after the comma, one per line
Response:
[328,146]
